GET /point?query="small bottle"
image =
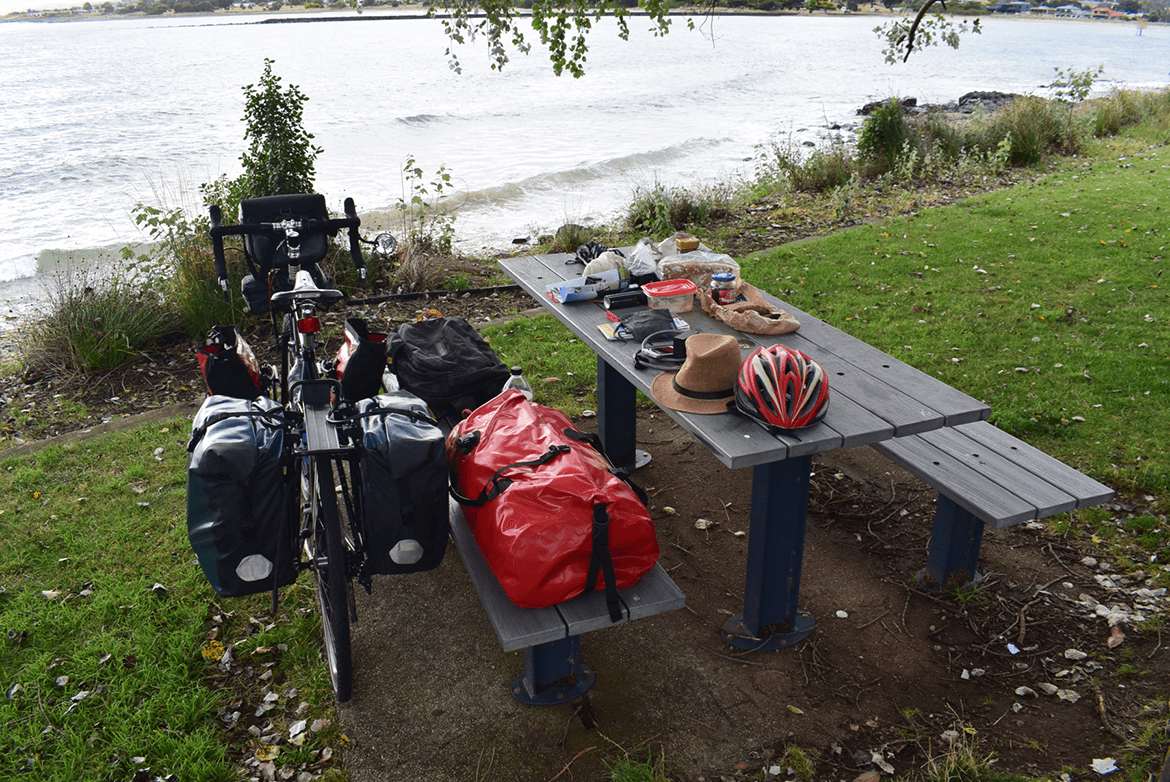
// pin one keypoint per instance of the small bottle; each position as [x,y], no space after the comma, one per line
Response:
[723,287]
[516,380]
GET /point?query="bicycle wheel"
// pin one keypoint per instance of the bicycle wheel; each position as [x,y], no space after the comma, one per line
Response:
[330,580]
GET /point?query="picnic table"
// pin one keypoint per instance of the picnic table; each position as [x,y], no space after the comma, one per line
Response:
[875,399]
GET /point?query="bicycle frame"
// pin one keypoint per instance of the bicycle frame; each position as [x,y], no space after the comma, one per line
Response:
[327,437]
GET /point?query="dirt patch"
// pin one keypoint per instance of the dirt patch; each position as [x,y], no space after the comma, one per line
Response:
[890,667]
[903,673]
[35,405]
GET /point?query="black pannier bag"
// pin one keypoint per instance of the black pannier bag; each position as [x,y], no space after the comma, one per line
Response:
[240,505]
[228,364]
[447,364]
[404,485]
[267,256]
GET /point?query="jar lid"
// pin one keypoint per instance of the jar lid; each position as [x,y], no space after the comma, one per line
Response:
[723,276]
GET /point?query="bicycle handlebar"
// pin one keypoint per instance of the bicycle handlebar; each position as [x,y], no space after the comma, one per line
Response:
[330,226]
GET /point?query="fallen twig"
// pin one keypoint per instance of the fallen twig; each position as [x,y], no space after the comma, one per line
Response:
[566,768]
[1105,719]
[1059,561]
[871,621]
[733,659]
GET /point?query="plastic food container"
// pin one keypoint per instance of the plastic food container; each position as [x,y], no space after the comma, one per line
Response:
[673,295]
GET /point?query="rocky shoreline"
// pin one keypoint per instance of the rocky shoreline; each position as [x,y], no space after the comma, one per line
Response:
[985,102]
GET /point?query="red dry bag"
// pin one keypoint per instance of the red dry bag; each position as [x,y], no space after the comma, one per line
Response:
[550,517]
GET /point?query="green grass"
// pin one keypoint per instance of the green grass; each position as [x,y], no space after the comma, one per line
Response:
[1046,301]
[547,350]
[107,616]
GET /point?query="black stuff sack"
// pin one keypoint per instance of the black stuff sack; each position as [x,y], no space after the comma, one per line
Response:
[228,364]
[360,361]
[404,485]
[447,364]
[240,505]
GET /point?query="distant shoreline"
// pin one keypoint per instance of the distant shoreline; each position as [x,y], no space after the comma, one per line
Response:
[415,12]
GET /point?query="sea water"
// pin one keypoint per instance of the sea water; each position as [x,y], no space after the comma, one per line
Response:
[98,116]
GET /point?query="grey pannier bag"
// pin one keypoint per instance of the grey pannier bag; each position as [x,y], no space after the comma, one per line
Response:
[241,513]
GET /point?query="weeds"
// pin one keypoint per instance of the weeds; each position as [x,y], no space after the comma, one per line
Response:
[661,210]
[428,227]
[94,322]
[782,165]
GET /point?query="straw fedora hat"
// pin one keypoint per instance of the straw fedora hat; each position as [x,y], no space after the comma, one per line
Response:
[706,381]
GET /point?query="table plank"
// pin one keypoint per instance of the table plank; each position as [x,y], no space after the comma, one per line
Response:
[1087,491]
[517,628]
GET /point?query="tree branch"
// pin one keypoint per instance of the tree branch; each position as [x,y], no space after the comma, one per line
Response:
[917,21]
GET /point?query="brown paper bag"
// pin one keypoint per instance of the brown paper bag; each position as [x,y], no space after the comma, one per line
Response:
[753,315]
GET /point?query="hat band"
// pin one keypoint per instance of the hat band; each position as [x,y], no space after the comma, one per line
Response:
[700,394]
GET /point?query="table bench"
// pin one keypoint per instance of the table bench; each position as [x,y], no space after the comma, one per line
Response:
[984,476]
[551,637]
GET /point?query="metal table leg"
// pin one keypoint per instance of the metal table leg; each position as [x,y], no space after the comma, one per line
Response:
[553,673]
[955,541]
[617,418]
[771,618]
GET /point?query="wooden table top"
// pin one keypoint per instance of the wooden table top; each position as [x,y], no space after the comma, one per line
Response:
[873,396]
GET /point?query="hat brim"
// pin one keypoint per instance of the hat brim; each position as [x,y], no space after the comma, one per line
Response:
[664,393]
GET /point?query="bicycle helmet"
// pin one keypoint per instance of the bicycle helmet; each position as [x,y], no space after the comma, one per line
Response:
[781,388]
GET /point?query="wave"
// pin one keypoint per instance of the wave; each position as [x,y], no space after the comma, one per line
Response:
[624,168]
[419,119]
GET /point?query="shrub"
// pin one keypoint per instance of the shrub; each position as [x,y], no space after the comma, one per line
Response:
[569,237]
[1117,110]
[782,165]
[826,168]
[884,136]
[1034,127]
[660,210]
[281,157]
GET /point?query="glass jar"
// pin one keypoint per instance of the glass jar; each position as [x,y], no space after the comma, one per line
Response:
[723,288]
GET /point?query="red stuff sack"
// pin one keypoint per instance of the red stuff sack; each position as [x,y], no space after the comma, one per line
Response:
[550,517]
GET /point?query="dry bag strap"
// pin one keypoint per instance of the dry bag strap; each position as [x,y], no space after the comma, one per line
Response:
[600,561]
[496,486]
[593,440]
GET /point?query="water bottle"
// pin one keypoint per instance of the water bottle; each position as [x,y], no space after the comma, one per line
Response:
[516,380]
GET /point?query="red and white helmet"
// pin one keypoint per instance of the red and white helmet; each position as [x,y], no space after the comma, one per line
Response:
[782,388]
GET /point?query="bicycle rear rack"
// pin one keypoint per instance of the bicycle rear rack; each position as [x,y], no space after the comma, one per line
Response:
[321,436]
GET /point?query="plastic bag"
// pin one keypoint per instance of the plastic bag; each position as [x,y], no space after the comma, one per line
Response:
[697,266]
[644,258]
